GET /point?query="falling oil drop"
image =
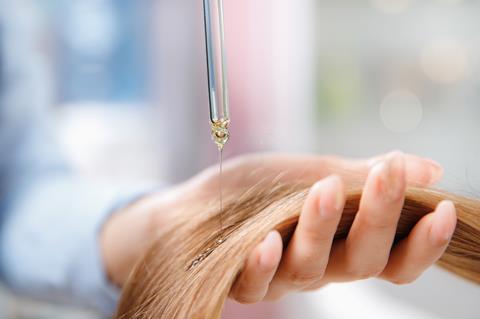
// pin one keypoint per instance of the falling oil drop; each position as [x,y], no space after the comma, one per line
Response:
[220,136]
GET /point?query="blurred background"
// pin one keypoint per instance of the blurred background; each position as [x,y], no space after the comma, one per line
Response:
[125,85]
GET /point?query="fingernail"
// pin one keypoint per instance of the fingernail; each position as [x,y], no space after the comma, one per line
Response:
[373,161]
[267,244]
[436,171]
[442,230]
[391,176]
[332,197]
[339,200]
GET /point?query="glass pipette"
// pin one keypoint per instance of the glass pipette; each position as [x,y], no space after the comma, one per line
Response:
[217,71]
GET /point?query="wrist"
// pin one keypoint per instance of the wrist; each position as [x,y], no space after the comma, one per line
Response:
[127,234]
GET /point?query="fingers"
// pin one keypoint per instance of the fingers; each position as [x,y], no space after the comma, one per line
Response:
[307,255]
[252,284]
[423,247]
[310,261]
[421,172]
[366,250]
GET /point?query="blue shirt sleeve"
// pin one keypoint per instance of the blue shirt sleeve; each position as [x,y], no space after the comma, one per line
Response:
[49,244]
[50,218]
[51,221]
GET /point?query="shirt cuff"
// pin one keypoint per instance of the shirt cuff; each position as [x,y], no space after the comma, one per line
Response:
[89,278]
[95,282]
[49,245]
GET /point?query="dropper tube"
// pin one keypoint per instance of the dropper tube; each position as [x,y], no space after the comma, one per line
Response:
[217,71]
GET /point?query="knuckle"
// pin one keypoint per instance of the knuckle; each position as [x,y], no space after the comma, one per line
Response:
[357,268]
[309,256]
[315,236]
[300,279]
[380,222]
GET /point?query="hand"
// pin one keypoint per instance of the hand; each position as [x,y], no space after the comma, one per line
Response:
[143,219]
[313,260]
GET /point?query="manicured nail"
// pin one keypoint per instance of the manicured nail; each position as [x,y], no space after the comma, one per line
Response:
[436,171]
[332,197]
[391,176]
[443,227]
[373,161]
[339,200]
[267,244]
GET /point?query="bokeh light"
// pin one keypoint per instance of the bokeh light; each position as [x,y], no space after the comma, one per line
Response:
[445,61]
